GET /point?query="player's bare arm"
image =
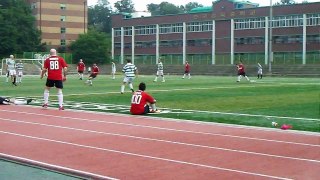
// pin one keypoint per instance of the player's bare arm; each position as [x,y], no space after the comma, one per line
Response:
[43,72]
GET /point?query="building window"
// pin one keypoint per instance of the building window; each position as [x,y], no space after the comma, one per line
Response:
[127,31]
[62,18]
[62,42]
[117,31]
[62,30]
[62,6]
[313,19]
[171,28]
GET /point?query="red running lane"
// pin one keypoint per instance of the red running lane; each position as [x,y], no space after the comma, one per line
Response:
[209,158]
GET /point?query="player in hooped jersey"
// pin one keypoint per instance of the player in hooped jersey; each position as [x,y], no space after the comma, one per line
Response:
[130,71]
[159,71]
[56,68]
[141,102]
[19,67]
[81,68]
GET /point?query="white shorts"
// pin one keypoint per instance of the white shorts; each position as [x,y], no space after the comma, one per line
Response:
[260,71]
[20,73]
[12,72]
[160,73]
[128,79]
[113,71]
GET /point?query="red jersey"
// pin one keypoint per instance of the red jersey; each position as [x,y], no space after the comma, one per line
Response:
[187,67]
[240,68]
[139,100]
[81,66]
[55,65]
[95,70]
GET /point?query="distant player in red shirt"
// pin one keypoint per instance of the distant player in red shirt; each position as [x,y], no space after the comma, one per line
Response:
[241,72]
[94,73]
[141,102]
[186,70]
[56,68]
[81,67]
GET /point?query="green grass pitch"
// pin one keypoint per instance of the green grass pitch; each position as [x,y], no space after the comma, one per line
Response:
[293,101]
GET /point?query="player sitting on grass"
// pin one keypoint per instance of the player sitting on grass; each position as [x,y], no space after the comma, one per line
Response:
[7,101]
[141,100]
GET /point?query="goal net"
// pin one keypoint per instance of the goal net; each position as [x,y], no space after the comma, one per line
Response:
[30,66]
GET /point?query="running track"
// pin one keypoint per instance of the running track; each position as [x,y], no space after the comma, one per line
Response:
[113,146]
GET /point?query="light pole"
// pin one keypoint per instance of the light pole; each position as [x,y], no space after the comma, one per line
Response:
[270,39]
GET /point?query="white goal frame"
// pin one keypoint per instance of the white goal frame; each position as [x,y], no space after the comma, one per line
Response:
[37,62]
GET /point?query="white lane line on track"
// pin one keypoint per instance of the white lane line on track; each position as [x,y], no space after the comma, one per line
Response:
[166,141]
[146,156]
[60,168]
[165,129]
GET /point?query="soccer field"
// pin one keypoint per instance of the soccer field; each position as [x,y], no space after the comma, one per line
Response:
[293,101]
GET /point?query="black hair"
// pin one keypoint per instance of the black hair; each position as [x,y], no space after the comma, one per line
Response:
[129,60]
[142,86]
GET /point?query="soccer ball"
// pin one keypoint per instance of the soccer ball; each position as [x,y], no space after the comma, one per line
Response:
[274,124]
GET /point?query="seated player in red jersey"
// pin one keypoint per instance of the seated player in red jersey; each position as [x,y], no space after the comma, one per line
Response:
[141,102]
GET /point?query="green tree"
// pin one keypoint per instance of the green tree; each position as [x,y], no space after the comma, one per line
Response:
[17,28]
[285,2]
[126,6]
[191,5]
[164,8]
[99,16]
[93,47]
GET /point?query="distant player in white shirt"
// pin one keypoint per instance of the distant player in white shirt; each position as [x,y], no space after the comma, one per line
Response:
[130,71]
[19,67]
[113,70]
[159,71]
[11,67]
[259,71]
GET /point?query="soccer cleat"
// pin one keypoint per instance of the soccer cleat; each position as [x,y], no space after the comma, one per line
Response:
[121,92]
[29,101]
[45,105]
[61,108]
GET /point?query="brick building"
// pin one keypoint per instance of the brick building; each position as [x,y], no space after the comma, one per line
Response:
[228,31]
[60,21]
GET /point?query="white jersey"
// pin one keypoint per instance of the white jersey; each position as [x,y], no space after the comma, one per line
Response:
[129,70]
[10,64]
[259,68]
[160,69]
[113,67]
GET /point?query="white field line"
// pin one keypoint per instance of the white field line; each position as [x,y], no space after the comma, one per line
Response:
[213,112]
[146,156]
[165,129]
[165,141]
[60,168]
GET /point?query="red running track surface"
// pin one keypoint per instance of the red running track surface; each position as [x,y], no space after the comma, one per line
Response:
[114,146]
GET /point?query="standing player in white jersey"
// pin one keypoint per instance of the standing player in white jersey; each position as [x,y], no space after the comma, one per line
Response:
[11,68]
[259,71]
[159,71]
[113,70]
[19,67]
[130,71]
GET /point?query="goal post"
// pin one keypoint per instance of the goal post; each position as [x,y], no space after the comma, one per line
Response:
[31,66]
